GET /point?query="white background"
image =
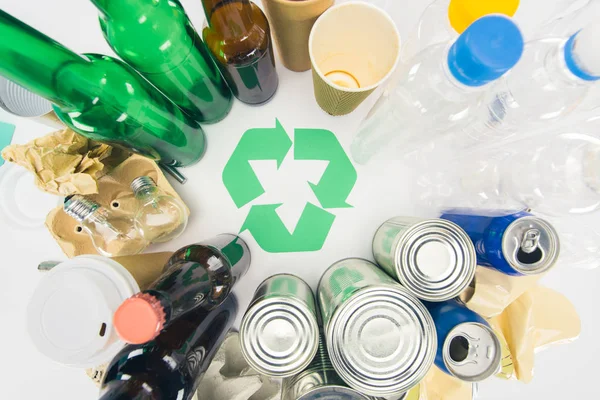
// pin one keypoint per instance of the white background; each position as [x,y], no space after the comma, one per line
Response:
[562,372]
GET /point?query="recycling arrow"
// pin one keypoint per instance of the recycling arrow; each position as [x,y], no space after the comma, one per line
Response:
[256,144]
[309,235]
[340,176]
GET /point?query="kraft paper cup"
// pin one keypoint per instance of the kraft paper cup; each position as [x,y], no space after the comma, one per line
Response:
[353,48]
[21,102]
[291,21]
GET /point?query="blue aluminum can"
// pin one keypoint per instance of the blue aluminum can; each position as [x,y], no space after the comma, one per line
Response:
[514,243]
[468,348]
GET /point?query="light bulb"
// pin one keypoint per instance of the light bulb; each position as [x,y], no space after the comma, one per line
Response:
[112,234]
[160,217]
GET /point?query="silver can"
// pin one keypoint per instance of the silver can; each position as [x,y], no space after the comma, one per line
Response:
[320,382]
[472,352]
[433,258]
[381,339]
[279,334]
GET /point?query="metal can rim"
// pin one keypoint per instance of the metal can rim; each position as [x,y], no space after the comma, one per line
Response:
[486,374]
[550,262]
[429,347]
[402,250]
[313,326]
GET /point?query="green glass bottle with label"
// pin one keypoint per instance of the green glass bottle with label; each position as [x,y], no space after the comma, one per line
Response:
[99,97]
[157,38]
[239,38]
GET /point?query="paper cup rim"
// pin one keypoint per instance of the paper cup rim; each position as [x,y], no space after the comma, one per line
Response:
[318,70]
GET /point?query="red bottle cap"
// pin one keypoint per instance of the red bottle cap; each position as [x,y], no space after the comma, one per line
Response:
[139,319]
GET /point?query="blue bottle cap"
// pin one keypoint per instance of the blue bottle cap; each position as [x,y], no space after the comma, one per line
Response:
[487,49]
[573,62]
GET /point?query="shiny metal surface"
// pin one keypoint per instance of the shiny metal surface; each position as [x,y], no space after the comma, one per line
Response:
[319,381]
[433,258]
[530,245]
[472,352]
[279,333]
[381,339]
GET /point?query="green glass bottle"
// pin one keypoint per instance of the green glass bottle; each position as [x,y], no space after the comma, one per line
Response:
[99,97]
[157,38]
[239,38]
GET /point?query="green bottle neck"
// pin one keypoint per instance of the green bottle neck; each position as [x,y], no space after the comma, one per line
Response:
[32,60]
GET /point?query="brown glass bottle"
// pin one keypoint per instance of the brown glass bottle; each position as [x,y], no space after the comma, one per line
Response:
[239,38]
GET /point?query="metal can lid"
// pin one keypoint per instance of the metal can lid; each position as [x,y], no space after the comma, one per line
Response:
[382,340]
[530,245]
[472,352]
[435,260]
[279,336]
[331,392]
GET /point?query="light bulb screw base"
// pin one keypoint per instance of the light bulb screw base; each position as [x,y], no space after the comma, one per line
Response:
[141,183]
[79,208]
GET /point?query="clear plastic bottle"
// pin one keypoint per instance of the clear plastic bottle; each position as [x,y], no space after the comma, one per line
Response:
[552,78]
[570,16]
[112,234]
[558,176]
[440,86]
[160,217]
[443,20]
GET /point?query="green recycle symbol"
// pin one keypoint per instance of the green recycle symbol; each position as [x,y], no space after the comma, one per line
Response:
[332,190]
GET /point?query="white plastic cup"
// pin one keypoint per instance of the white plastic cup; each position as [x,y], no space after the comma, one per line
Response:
[69,317]
[19,101]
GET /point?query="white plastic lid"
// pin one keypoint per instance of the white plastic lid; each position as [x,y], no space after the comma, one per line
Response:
[22,204]
[69,316]
[21,102]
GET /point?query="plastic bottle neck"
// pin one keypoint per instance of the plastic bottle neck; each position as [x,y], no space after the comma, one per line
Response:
[556,65]
[32,60]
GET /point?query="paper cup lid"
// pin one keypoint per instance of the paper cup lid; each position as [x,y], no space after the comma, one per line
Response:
[70,313]
[22,204]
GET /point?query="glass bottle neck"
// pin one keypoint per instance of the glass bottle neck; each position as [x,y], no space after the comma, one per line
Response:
[223,15]
[32,59]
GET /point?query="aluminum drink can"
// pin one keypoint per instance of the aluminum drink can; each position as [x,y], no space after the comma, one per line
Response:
[434,259]
[279,334]
[514,243]
[468,348]
[380,338]
[320,382]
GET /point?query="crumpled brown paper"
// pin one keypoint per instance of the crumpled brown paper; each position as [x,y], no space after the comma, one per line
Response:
[525,316]
[64,162]
[114,194]
[494,291]
[538,318]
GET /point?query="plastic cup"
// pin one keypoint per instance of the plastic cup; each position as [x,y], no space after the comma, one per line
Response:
[353,48]
[21,102]
[69,316]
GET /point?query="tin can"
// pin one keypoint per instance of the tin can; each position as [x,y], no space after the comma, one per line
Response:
[514,243]
[320,382]
[279,334]
[468,348]
[434,259]
[380,338]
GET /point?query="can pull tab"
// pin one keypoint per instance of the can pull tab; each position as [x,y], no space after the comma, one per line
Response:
[530,252]
[531,240]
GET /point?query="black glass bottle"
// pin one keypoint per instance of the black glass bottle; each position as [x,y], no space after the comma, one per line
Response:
[172,365]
